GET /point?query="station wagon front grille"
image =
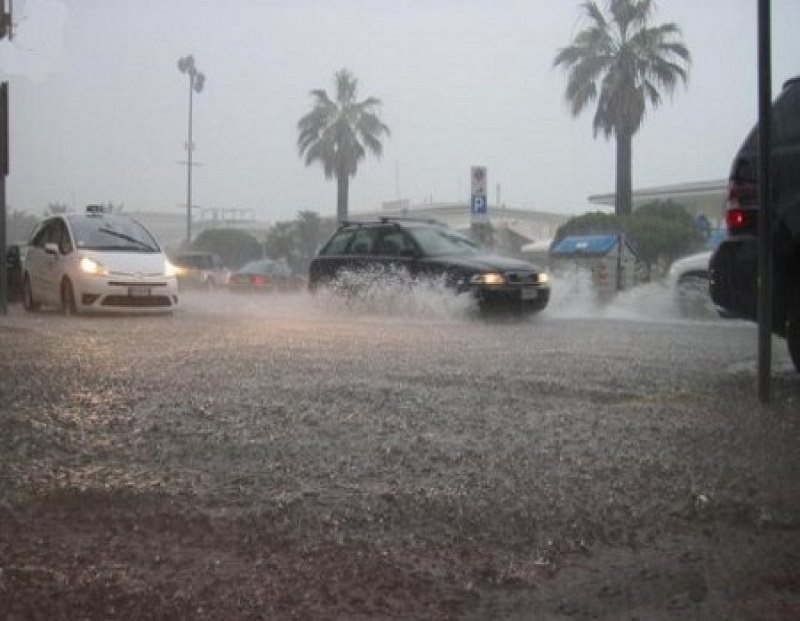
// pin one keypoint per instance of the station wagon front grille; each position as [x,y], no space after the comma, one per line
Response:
[522,278]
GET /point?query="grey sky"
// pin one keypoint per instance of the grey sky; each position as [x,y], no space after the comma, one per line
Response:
[99,108]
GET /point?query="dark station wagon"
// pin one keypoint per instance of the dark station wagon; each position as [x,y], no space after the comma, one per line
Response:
[429,249]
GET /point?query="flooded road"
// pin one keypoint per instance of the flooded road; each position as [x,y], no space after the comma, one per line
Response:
[306,457]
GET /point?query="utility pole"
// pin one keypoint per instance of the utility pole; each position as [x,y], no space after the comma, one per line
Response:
[5,31]
[196,81]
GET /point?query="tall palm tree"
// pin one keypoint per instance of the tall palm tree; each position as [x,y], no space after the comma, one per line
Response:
[622,61]
[338,132]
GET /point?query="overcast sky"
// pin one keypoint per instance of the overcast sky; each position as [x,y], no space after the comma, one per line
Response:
[99,109]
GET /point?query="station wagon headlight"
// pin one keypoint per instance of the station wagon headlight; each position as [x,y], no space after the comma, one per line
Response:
[490,278]
[170,270]
[543,278]
[90,266]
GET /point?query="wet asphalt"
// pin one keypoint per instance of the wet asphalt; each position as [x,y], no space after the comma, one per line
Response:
[617,424]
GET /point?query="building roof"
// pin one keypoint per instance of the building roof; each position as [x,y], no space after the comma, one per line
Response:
[698,197]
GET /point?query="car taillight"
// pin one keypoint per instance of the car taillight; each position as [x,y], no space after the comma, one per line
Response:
[740,220]
[742,214]
[260,280]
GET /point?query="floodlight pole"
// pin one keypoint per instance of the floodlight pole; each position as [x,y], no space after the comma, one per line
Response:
[765,256]
[196,81]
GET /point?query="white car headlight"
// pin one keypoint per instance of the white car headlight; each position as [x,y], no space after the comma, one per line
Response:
[490,278]
[90,266]
[543,278]
[170,270]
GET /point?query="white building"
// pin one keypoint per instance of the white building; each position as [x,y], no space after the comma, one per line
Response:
[705,198]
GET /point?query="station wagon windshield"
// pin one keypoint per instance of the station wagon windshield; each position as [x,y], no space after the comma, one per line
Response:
[112,233]
[439,241]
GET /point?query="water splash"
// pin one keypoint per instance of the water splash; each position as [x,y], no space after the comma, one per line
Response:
[575,296]
[394,292]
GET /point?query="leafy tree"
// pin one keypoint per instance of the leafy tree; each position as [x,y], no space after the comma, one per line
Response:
[660,230]
[338,132]
[297,240]
[592,223]
[623,63]
[310,232]
[234,247]
[280,241]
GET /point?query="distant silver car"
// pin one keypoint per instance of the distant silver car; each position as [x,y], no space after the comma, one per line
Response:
[200,269]
[97,261]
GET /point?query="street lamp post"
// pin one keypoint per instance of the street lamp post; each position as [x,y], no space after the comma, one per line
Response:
[196,81]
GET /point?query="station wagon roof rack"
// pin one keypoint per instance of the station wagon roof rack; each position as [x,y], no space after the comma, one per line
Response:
[385,219]
[389,219]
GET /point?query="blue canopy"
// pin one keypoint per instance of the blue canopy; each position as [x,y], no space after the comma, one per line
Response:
[586,245]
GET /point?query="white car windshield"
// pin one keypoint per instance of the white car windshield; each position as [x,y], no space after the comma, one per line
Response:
[110,232]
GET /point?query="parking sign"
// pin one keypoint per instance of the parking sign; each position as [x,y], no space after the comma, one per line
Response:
[478,204]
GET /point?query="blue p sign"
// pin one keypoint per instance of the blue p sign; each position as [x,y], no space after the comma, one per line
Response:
[478,205]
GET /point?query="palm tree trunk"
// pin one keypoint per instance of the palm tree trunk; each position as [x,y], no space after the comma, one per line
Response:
[623,187]
[342,182]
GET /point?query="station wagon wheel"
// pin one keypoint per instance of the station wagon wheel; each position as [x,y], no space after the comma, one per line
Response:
[28,303]
[68,306]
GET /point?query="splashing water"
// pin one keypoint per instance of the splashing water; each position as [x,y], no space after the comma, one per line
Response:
[394,292]
[574,296]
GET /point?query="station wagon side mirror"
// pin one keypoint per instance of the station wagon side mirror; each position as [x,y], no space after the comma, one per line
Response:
[51,248]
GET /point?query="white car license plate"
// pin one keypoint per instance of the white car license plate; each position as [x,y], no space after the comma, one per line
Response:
[137,291]
[529,293]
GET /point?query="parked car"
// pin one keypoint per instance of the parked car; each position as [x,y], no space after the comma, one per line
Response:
[201,270]
[425,248]
[734,265]
[97,261]
[15,258]
[689,278]
[266,275]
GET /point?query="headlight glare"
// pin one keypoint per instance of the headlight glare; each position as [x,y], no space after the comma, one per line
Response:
[90,266]
[490,278]
[170,270]
[543,278]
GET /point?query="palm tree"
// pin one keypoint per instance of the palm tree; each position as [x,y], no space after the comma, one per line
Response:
[338,133]
[622,62]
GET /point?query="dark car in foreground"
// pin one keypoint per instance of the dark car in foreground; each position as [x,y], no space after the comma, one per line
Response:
[734,265]
[428,249]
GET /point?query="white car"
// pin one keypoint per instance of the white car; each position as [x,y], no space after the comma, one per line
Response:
[689,280]
[100,262]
